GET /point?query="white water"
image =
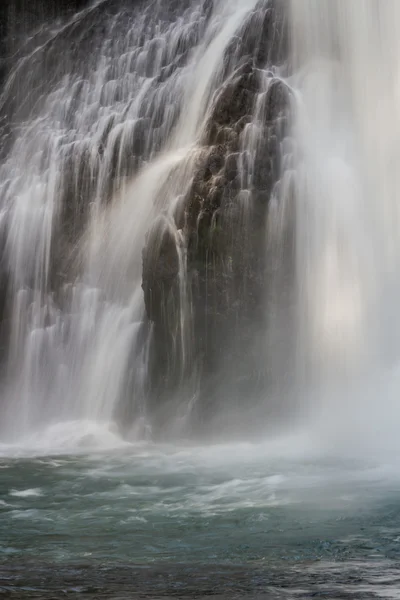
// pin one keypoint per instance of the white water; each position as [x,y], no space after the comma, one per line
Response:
[341,181]
[347,184]
[333,342]
[70,360]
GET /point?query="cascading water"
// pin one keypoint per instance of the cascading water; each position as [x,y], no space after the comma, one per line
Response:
[124,174]
[104,154]
[341,183]
[102,166]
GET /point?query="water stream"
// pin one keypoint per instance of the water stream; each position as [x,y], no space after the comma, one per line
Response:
[78,153]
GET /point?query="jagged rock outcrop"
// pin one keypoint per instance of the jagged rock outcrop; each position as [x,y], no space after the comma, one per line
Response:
[224,216]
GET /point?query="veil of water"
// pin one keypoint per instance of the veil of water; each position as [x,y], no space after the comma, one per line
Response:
[98,169]
[99,161]
[346,77]
[99,156]
[338,201]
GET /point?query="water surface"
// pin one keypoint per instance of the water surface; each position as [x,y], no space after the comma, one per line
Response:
[120,519]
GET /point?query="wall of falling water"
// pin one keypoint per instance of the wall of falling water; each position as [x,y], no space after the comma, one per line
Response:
[143,146]
[108,113]
[345,185]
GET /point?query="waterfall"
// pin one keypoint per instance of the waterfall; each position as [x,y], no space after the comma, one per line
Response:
[347,182]
[101,157]
[339,196]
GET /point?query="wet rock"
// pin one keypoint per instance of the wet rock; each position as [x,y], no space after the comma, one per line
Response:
[235,99]
[160,269]
[263,38]
[232,166]
[278,101]
[274,36]
[225,210]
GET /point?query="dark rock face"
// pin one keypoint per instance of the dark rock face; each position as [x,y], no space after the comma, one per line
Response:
[160,271]
[224,222]
[233,104]
[19,18]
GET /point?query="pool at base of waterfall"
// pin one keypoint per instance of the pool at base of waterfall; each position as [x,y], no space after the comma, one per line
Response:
[112,519]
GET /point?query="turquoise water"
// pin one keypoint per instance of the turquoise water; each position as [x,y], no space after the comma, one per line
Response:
[148,519]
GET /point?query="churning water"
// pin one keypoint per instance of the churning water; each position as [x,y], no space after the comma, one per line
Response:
[238,520]
[106,121]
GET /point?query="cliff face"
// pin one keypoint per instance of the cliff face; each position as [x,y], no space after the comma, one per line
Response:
[20,18]
[224,224]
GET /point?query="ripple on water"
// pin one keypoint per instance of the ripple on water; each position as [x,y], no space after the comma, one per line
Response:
[4,504]
[147,510]
[26,493]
